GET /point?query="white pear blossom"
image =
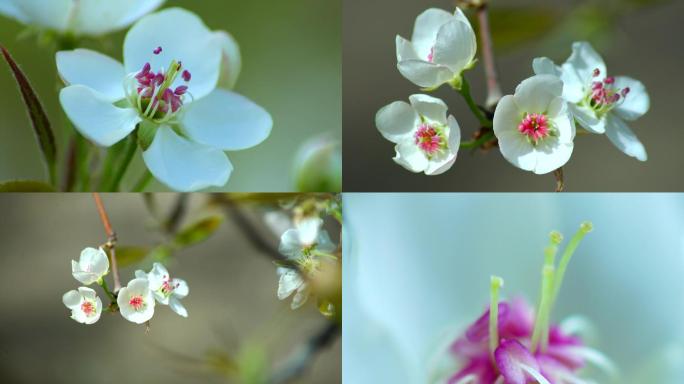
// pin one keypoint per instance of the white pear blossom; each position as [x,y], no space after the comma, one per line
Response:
[304,255]
[443,45]
[136,301]
[91,266]
[599,102]
[78,17]
[534,126]
[426,139]
[85,306]
[167,89]
[166,290]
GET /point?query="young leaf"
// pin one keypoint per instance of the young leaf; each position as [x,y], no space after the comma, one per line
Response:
[129,255]
[25,186]
[198,231]
[39,119]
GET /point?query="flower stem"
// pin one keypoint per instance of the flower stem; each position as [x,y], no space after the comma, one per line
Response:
[111,240]
[477,143]
[493,88]
[129,152]
[585,228]
[109,293]
[143,182]
[541,328]
[465,92]
[496,284]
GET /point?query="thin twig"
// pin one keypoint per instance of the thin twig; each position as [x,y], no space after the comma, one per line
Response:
[560,184]
[493,88]
[302,358]
[111,240]
[179,209]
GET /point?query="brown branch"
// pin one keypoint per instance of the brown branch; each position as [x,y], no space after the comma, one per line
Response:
[560,183]
[111,240]
[493,88]
[302,358]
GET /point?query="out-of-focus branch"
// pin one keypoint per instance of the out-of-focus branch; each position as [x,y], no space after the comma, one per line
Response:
[111,240]
[493,88]
[560,183]
[302,358]
[179,210]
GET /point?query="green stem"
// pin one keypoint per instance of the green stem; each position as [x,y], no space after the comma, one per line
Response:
[107,291]
[478,142]
[585,228]
[143,182]
[496,284]
[465,92]
[129,152]
[323,254]
[540,333]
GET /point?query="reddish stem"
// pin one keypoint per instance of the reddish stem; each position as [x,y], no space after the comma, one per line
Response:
[493,88]
[111,240]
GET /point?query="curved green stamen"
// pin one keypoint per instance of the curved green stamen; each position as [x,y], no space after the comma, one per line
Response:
[496,284]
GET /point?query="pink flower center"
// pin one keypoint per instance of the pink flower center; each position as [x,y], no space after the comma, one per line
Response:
[535,126]
[136,302]
[88,308]
[428,139]
[604,95]
[153,92]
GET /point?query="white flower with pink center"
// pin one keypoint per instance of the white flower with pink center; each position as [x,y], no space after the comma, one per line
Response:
[78,17]
[166,290]
[426,139]
[534,126]
[599,102]
[92,265]
[136,301]
[166,94]
[84,304]
[442,46]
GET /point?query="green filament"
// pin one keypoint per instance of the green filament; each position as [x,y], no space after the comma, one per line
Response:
[496,284]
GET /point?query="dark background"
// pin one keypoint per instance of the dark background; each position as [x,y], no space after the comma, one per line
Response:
[637,38]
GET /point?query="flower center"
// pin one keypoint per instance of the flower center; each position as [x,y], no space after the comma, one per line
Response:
[88,308]
[152,92]
[603,96]
[535,126]
[136,302]
[309,264]
[430,139]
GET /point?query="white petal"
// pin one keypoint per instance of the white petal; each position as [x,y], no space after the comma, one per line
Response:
[534,94]
[323,242]
[430,107]
[573,88]
[289,244]
[96,17]
[308,229]
[426,28]
[180,289]
[72,299]
[454,134]
[405,50]
[96,117]
[396,121]
[183,165]
[507,116]
[545,66]
[301,296]
[53,14]
[177,307]
[551,155]
[636,103]
[157,276]
[425,74]
[410,157]
[94,70]
[562,121]
[98,312]
[226,120]
[87,293]
[624,139]
[231,60]
[140,274]
[584,59]
[587,118]
[183,37]
[289,282]
[455,46]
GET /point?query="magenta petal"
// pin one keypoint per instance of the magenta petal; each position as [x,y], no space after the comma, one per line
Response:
[519,322]
[481,367]
[479,331]
[510,356]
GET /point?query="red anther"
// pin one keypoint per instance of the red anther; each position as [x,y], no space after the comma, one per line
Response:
[609,80]
[157,50]
[186,75]
[596,72]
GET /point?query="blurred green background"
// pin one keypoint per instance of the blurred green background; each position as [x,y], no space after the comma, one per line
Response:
[232,305]
[637,38]
[291,54]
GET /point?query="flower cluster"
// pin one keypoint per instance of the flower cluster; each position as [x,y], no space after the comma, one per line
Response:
[511,343]
[135,302]
[166,96]
[534,127]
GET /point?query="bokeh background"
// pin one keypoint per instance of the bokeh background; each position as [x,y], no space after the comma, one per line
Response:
[417,267]
[234,313]
[635,38]
[291,54]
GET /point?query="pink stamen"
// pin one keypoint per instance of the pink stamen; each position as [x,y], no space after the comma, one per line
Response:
[428,139]
[609,80]
[180,90]
[157,50]
[186,75]
[596,72]
[88,308]
[535,126]
[136,302]
[431,55]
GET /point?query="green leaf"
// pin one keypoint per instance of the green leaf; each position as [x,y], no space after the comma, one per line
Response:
[25,186]
[198,231]
[129,255]
[39,119]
